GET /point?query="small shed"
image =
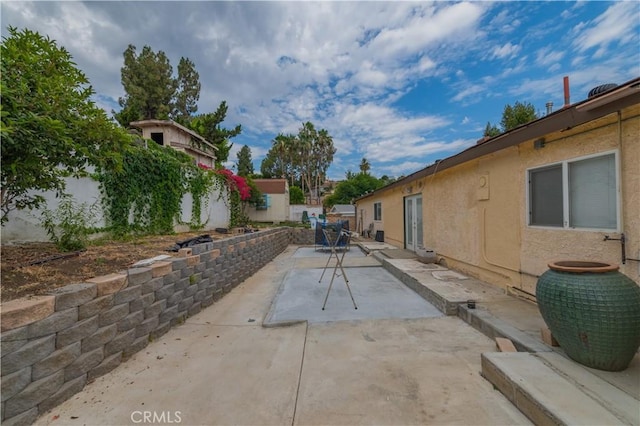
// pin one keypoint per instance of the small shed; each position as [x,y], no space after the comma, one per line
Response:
[170,133]
[275,205]
[345,210]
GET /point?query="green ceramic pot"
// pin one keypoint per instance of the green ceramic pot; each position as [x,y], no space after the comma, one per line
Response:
[593,311]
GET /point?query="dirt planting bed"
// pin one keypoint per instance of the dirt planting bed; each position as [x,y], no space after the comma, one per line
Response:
[35,268]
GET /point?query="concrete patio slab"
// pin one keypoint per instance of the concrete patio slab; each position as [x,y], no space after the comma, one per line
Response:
[398,372]
[377,294]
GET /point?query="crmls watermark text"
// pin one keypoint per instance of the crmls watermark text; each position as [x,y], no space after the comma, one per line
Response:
[156,417]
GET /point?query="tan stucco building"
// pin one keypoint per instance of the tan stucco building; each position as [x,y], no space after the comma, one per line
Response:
[170,133]
[555,188]
[275,207]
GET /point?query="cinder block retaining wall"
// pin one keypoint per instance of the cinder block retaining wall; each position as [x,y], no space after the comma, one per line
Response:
[302,237]
[53,345]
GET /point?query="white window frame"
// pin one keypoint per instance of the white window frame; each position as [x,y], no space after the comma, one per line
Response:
[378,219]
[565,192]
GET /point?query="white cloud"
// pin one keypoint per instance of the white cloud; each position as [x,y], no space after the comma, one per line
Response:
[505,22]
[619,23]
[416,149]
[400,169]
[505,51]
[546,56]
[468,92]
[392,81]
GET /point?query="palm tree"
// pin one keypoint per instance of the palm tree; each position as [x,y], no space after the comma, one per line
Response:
[365,166]
[281,144]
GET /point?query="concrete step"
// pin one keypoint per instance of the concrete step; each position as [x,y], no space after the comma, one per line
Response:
[550,389]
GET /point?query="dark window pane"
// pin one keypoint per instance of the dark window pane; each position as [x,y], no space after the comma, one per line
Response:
[545,196]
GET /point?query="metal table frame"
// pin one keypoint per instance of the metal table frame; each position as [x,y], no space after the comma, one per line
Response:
[342,235]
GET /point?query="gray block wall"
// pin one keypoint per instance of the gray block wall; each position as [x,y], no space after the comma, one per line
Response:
[302,236]
[48,361]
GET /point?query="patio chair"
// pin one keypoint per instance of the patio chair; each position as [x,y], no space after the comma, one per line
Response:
[368,232]
[322,242]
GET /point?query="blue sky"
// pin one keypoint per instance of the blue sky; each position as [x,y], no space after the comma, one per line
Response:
[400,83]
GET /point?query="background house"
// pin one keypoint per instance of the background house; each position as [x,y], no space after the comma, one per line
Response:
[275,207]
[170,133]
[343,212]
[552,189]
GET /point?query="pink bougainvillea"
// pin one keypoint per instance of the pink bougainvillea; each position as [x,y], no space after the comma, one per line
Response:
[234,182]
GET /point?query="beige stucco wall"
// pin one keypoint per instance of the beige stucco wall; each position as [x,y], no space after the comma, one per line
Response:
[392,216]
[539,245]
[471,217]
[475,215]
[277,212]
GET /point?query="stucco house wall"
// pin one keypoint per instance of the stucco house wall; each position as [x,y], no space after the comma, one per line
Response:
[277,212]
[365,213]
[476,214]
[619,134]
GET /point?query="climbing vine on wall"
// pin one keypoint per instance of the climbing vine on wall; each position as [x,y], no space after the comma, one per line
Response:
[145,195]
[238,192]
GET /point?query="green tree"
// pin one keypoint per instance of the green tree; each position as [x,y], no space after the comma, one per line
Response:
[365,166]
[281,159]
[268,166]
[354,187]
[296,196]
[188,92]
[284,145]
[148,84]
[50,128]
[244,164]
[491,130]
[255,198]
[301,159]
[386,180]
[315,153]
[514,116]
[209,127]
[323,157]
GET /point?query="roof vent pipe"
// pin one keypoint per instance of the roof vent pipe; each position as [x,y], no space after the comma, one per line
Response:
[549,106]
[567,98]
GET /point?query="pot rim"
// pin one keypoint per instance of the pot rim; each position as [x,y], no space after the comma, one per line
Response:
[582,266]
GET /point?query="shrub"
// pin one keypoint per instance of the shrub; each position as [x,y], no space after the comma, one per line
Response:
[70,225]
